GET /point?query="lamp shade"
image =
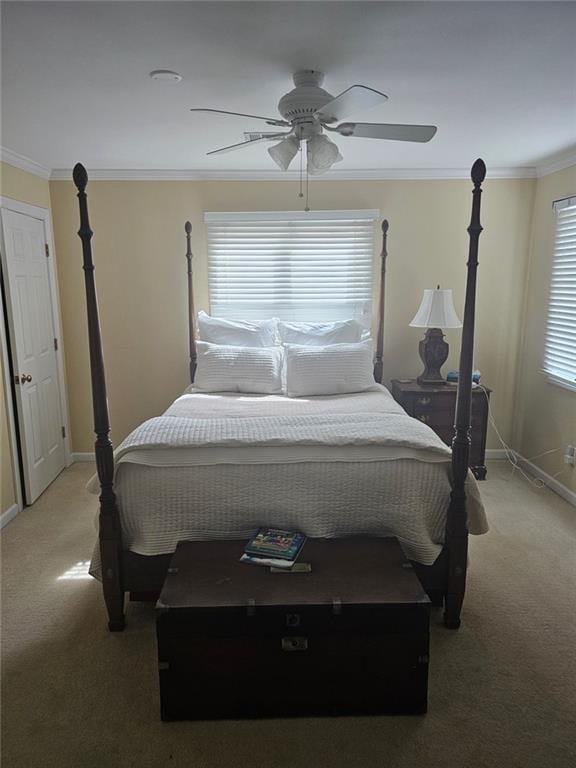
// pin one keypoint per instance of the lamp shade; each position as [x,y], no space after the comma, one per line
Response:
[436,310]
[285,152]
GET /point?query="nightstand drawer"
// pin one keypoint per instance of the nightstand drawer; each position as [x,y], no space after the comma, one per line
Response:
[434,417]
[442,403]
[441,419]
[435,406]
[445,434]
[425,403]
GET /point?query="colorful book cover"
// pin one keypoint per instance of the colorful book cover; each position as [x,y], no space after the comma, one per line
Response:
[271,542]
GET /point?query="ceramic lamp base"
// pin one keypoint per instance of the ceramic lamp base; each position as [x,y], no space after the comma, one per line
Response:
[433,353]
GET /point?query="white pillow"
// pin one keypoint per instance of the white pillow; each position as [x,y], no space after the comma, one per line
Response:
[241,333]
[333,370]
[320,334]
[238,369]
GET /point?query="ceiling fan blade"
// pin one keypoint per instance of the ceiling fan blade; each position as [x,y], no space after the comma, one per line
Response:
[355,98]
[420,133]
[253,135]
[233,147]
[269,120]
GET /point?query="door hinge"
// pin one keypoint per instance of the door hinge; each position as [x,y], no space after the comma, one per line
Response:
[47,249]
[56,344]
[63,431]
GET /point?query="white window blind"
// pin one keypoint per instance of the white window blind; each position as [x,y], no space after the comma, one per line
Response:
[560,347]
[292,265]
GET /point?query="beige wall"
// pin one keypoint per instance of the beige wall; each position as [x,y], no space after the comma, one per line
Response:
[545,413]
[139,247]
[140,272]
[23,186]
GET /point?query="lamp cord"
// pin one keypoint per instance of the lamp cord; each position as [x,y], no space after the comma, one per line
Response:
[511,454]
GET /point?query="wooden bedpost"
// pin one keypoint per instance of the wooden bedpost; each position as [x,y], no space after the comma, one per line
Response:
[109,519]
[191,313]
[378,365]
[457,526]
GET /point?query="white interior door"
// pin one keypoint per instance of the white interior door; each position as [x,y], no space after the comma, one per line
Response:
[33,351]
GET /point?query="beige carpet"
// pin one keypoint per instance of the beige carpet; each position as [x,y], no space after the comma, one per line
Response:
[502,689]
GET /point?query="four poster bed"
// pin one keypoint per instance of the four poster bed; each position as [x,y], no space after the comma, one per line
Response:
[438,550]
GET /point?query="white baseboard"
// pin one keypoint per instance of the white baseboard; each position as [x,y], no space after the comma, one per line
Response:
[495,454]
[551,482]
[532,469]
[8,515]
[82,457]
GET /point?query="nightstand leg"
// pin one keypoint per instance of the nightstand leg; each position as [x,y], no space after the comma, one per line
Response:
[479,472]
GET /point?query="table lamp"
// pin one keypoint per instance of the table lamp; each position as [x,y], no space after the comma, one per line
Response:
[436,311]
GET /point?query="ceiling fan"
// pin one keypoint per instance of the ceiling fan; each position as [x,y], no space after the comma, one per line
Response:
[308,110]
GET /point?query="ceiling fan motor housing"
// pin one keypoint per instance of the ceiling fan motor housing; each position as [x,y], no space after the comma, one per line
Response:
[300,105]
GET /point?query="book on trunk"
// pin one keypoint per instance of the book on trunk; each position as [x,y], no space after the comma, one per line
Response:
[272,546]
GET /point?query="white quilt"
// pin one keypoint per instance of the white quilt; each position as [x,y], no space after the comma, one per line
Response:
[221,465]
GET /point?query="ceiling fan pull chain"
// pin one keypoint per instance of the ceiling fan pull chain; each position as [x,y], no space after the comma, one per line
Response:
[300,193]
[307,207]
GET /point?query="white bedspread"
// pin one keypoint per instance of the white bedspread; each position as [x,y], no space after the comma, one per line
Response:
[221,465]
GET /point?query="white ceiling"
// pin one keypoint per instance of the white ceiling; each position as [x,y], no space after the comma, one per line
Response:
[498,79]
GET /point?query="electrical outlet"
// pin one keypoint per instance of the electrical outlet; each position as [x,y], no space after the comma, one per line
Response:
[570,455]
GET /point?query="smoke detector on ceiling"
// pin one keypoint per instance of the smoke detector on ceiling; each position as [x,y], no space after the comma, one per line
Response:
[165,74]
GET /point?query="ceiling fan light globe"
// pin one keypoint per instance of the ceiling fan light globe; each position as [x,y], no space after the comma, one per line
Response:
[322,154]
[313,171]
[284,152]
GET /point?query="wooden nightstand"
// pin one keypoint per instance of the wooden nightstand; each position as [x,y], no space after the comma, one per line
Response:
[436,406]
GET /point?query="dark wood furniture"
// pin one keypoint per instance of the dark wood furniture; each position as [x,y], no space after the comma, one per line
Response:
[123,571]
[436,406]
[236,640]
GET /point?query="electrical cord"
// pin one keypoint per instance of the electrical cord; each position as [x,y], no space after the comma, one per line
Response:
[511,454]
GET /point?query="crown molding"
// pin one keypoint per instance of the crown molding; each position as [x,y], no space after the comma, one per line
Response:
[384,174]
[24,163]
[390,174]
[559,164]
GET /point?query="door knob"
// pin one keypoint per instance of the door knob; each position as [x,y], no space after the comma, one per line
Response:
[25,378]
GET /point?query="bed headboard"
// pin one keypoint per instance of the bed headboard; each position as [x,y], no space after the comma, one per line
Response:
[381,303]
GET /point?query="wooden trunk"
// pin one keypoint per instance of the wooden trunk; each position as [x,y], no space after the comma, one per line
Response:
[236,640]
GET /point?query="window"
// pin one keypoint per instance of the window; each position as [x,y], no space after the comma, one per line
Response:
[293,265]
[560,347]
